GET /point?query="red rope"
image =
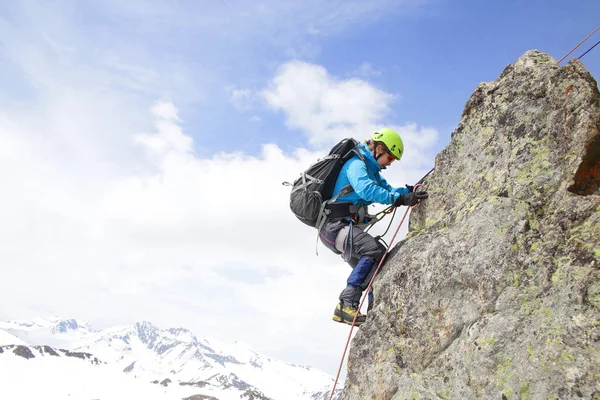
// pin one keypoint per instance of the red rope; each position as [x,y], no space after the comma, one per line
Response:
[367,293]
[580,43]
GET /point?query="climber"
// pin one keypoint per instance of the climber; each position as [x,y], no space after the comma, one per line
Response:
[342,231]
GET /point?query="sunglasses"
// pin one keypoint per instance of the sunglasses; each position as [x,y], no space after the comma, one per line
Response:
[390,156]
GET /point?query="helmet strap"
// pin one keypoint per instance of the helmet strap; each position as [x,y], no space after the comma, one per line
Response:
[377,156]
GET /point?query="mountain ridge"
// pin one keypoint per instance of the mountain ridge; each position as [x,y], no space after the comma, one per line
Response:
[176,357]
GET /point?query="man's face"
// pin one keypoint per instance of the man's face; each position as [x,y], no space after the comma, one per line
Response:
[387,157]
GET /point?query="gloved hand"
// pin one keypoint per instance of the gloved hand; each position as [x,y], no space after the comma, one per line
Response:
[410,188]
[410,199]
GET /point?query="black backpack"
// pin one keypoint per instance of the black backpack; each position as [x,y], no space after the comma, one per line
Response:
[312,191]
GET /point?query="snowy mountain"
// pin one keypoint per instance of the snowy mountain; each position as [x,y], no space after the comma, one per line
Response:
[42,372]
[174,359]
[50,331]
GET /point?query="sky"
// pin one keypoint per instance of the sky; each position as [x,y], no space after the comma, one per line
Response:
[143,145]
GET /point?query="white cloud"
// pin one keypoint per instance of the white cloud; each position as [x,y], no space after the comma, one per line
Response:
[165,110]
[325,108]
[328,109]
[170,137]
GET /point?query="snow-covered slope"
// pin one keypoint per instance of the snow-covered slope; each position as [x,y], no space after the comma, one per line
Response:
[176,359]
[6,339]
[41,372]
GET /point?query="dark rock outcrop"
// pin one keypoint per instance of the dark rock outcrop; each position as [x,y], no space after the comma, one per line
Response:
[200,397]
[326,394]
[129,368]
[165,382]
[49,350]
[254,394]
[197,384]
[23,351]
[495,292]
[232,380]
[81,354]
[29,352]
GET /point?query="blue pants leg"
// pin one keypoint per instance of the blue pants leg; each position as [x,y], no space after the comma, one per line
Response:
[366,253]
[360,271]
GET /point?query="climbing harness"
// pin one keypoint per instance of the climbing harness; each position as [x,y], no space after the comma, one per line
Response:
[416,187]
[579,44]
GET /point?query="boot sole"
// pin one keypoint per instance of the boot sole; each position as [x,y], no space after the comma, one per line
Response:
[343,321]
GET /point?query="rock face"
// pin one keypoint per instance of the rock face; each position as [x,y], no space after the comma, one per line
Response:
[495,292]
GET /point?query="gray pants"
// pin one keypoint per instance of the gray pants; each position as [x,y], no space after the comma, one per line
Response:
[364,256]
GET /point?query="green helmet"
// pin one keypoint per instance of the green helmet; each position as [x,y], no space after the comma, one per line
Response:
[391,139]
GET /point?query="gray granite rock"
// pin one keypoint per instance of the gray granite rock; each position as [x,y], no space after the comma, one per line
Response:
[495,292]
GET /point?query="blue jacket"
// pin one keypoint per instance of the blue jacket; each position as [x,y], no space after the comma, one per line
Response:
[368,184]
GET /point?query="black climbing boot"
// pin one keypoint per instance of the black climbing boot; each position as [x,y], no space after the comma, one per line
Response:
[346,312]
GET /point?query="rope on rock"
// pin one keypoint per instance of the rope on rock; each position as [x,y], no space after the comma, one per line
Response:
[418,185]
[579,44]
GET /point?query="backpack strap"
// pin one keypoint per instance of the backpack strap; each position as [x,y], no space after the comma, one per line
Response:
[348,188]
[362,158]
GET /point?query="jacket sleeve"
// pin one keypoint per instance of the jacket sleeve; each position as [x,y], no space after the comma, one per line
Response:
[399,191]
[366,188]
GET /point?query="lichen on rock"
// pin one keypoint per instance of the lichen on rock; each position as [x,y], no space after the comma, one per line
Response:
[495,292]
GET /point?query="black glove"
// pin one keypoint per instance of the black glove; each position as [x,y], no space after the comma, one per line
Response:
[410,199]
[410,188]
